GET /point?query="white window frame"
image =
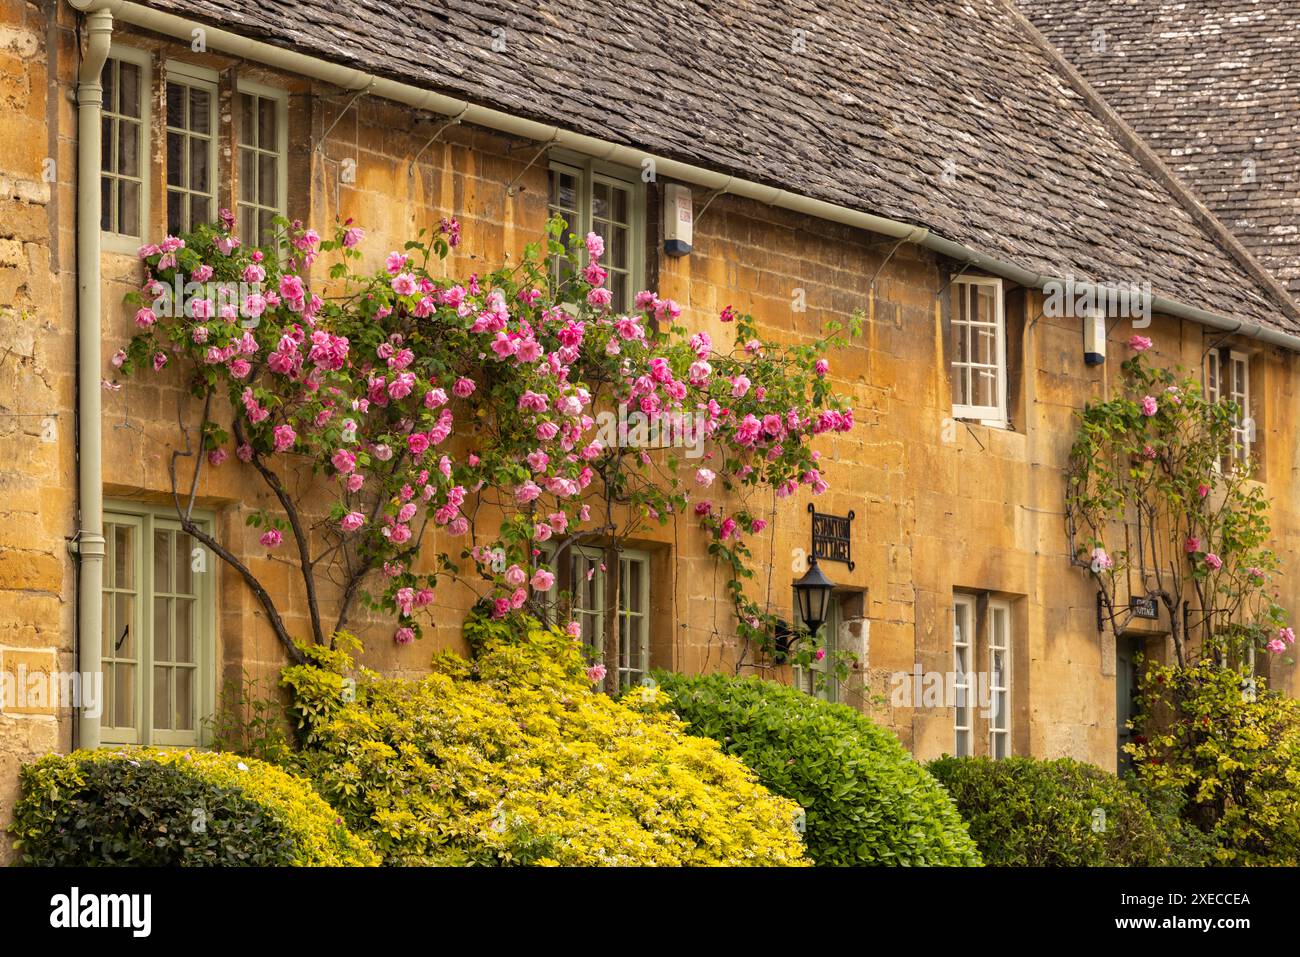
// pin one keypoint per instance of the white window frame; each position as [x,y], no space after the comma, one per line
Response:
[110,240]
[964,287]
[1232,384]
[589,171]
[188,75]
[963,658]
[999,639]
[145,519]
[281,98]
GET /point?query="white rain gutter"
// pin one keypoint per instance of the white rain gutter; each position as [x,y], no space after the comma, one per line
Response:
[89,543]
[353,80]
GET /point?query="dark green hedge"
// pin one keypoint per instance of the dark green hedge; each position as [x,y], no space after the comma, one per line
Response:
[865,800]
[168,808]
[1024,812]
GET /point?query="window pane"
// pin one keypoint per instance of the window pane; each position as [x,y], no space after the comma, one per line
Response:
[128,210]
[106,152]
[184,718]
[162,710]
[200,210]
[265,225]
[162,580]
[123,695]
[616,247]
[108,76]
[183,564]
[200,107]
[248,224]
[175,105]
[268,186]
[128,148]
[247,183]
[198,165]
[600,204]
[124,622]
[162,632]
[124,556]
[184,631]
[266,124]
[247,117]
[175,213]
[175,159]
[130,90]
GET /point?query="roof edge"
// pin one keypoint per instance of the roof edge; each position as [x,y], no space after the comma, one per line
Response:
[1131,140]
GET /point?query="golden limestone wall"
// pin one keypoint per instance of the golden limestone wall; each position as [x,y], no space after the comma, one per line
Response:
[940,506]
[37,345]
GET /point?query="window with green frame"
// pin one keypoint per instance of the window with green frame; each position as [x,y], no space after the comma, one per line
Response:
[262,138]
[582,580]
[124,160]
[607,200]
[159,649]
[191,98]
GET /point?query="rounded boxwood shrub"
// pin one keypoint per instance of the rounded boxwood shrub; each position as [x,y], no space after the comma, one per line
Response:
[865,800]
[166,808]
[512,759]
[1025,812]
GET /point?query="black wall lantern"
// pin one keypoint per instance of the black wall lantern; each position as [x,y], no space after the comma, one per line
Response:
[813,592]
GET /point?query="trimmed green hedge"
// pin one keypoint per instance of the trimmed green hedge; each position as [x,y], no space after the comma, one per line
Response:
[865,800]
[1024,812]
[166,808]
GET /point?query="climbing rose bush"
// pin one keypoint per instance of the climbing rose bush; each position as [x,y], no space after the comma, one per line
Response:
[471,413]
[1155,501]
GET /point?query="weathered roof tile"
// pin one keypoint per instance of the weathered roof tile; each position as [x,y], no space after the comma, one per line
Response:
[946,114]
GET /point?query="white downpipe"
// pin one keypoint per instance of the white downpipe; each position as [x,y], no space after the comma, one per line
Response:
[89,544]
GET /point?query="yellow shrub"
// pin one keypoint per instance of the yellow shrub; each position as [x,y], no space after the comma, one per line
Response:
[512,759]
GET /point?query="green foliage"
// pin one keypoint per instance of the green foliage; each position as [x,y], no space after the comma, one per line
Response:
[1231,748]
[167,808]
[1024,812]
[249,723]
[512,759]
[865,800]
[1157,457]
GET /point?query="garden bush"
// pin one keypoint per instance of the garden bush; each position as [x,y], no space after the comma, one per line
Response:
[1231,749]
[155,807]
[865,800]
[1024,812]
[512,759]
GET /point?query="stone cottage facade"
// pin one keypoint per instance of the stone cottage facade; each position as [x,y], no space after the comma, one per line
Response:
[934,170]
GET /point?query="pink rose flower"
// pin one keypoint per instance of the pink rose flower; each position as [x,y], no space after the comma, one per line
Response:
[271,538]
[542,580]
[1139,343]
[404,635]
[344,461]
[1149,405]
[596,673]
[352,521]
[1213,561]
[285,436]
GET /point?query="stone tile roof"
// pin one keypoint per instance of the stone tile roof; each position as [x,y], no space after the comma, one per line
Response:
[946,114]
[1214,88]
